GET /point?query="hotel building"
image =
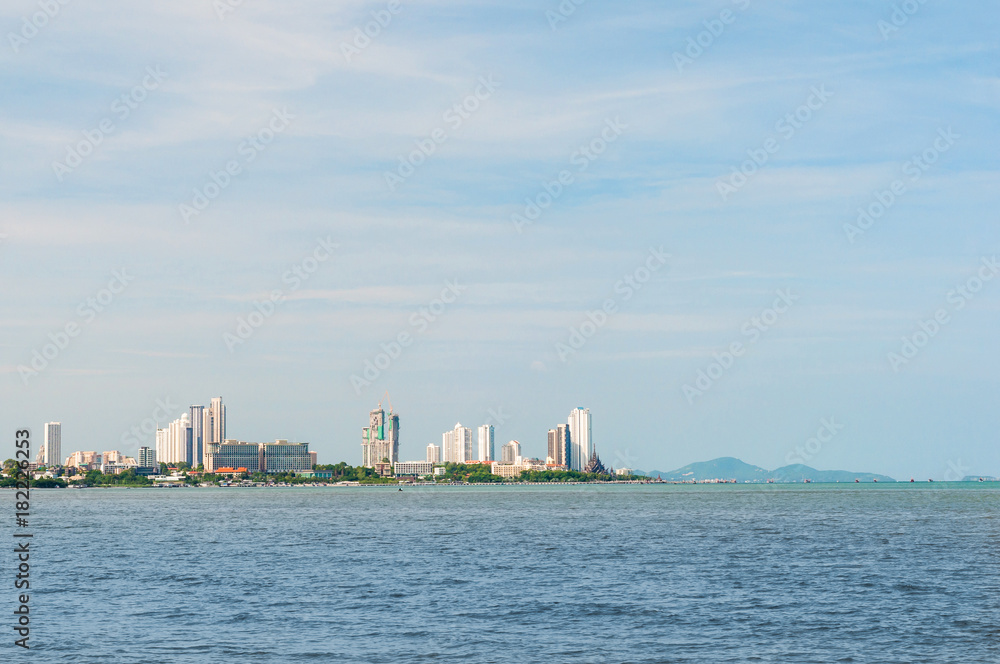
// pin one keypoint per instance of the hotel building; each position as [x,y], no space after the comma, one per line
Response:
[277,457]
[417,468]
[283,457]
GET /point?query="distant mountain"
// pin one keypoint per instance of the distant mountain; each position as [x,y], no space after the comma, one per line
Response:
[798,472]
[724,468]
[730,468]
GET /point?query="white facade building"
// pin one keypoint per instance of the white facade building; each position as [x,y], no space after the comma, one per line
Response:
[213,427]
[418,468]
[52,447]
[456,445]
[580,445]
[173,443]
[434,453]
[511,452]
[486,443]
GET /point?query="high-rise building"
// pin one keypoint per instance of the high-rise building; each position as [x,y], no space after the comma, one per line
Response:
[511,452]
[456,445]
[312,459]
[434,453]
[579,438]
[380,439]
[197,435]
[486,443]
[213,428]
[559,447]
[52,446]
[146,458]
[161,444]
[173,445]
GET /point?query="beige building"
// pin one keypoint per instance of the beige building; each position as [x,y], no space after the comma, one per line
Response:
[80,459]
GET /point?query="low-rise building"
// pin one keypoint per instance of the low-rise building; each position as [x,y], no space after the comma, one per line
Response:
[230,472]
[507,470]
[415,468]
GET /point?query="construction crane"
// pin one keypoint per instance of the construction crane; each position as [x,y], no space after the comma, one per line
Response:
[387,399]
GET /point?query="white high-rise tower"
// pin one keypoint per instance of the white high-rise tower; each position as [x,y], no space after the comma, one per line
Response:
[456,445]
[52,447]
[486,443]
[213,428]
[580,445]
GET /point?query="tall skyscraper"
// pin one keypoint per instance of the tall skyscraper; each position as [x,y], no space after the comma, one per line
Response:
[510,452]
[213,428]
[559,447]
[579,438]
[52,450]
[174,446]
[434,453]
[197,435]
[161,444]
[486,443]
[456,445]
[380,439]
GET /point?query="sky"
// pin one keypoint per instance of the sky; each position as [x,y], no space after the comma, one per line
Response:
[761,230]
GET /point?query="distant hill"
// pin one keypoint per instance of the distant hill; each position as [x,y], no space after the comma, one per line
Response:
[730,468]
[724,468]
[798,472]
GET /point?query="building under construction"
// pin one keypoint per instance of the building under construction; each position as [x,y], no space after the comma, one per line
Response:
[380,439]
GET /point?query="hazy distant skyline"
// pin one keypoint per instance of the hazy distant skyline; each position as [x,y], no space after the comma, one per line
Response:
[614,120]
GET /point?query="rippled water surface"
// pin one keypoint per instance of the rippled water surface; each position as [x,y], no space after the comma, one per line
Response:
[714,573]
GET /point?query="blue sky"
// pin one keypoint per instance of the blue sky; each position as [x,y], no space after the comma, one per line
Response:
[888,95]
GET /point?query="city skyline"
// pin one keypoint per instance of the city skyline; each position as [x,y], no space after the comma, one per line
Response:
[694,205]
